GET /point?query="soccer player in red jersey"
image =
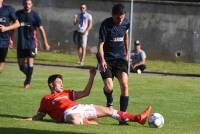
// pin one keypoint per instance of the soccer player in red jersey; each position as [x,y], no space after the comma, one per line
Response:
[61,106]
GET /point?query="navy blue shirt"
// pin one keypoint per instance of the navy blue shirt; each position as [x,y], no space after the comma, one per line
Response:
[7,15]
[113,37]
[29,22]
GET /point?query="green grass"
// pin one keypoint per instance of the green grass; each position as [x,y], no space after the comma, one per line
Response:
[177,98]
[71,60]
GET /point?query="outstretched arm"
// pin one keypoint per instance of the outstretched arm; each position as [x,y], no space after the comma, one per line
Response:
[88,87]
[38,117]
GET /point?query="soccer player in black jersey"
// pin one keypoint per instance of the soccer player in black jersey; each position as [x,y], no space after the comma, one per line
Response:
[8,22]
[30,22]
[113,54]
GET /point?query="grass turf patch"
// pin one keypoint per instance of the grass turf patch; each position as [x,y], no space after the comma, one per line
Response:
[71,60]
[177,98]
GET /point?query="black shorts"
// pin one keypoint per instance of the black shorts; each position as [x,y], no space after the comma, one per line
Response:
[3,54]
[115,67]
[26,53]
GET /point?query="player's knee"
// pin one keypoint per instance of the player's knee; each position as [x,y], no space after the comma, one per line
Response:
[108,87]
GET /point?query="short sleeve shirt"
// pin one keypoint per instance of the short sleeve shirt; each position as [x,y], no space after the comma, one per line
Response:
[137,57]
[83,21]
[113,37]
[29,22]
[7,15]
[56,103]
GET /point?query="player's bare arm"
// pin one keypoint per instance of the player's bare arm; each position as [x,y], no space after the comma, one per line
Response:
[88,87]
[142,62]
[13,26]
[89,27]
[44,38]
[75,20]
[126,39]
[38,117]
[103,65]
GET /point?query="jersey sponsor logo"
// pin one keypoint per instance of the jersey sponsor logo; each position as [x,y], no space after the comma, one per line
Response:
[118,39]
[3,20]
[59,98]
[23,24]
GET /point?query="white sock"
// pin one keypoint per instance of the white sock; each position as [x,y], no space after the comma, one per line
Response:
[116,116]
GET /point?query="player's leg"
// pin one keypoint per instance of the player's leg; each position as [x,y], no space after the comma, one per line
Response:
[84,45]
[79,54]
[123,116]
[30,63]
[124,98]
[108,90]
[3,54]
[21,61]
[107,77]
[122,76]
[2,65]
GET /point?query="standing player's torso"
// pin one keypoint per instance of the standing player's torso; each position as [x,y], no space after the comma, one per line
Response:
[57,103]
[114,41]
[27,31]
[5,19]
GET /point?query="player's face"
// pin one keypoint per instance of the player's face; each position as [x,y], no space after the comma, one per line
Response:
[58,85]
[118,19]
[138,47]
[28,5]
[83,8]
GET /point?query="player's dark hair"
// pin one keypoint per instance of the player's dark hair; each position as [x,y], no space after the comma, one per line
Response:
[118,9]
[53,77]
[24,1]
[83,4]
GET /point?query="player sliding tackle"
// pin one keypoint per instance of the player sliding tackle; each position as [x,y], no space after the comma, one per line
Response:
[61,106]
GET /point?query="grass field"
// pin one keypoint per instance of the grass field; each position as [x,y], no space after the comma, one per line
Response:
[177,98]
[152,65]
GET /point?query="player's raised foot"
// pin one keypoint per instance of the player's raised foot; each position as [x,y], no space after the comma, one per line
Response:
[144,115]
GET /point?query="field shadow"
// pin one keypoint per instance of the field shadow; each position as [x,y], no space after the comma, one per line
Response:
[14,130]
[173,74]
[21,117]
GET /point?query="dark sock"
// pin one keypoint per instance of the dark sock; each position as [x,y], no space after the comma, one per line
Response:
[124,103]
[24,69]
[29,75]
[109,98]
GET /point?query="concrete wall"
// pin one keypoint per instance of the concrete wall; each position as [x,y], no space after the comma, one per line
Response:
[168,31]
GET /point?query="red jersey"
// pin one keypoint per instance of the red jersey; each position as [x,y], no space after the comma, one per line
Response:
[56,103]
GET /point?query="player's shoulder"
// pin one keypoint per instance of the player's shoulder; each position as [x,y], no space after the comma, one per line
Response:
[107,21]
[20,11]
[34,12]
[8,7]
[126,22]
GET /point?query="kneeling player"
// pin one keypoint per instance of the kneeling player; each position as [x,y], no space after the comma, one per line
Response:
[60,105]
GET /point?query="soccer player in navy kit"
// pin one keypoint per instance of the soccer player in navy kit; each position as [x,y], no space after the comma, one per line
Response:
[113,54]
[30,22]
[8,22]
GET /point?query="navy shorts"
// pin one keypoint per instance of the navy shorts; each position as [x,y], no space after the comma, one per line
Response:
[26,53]
[115,67]
[3,54]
